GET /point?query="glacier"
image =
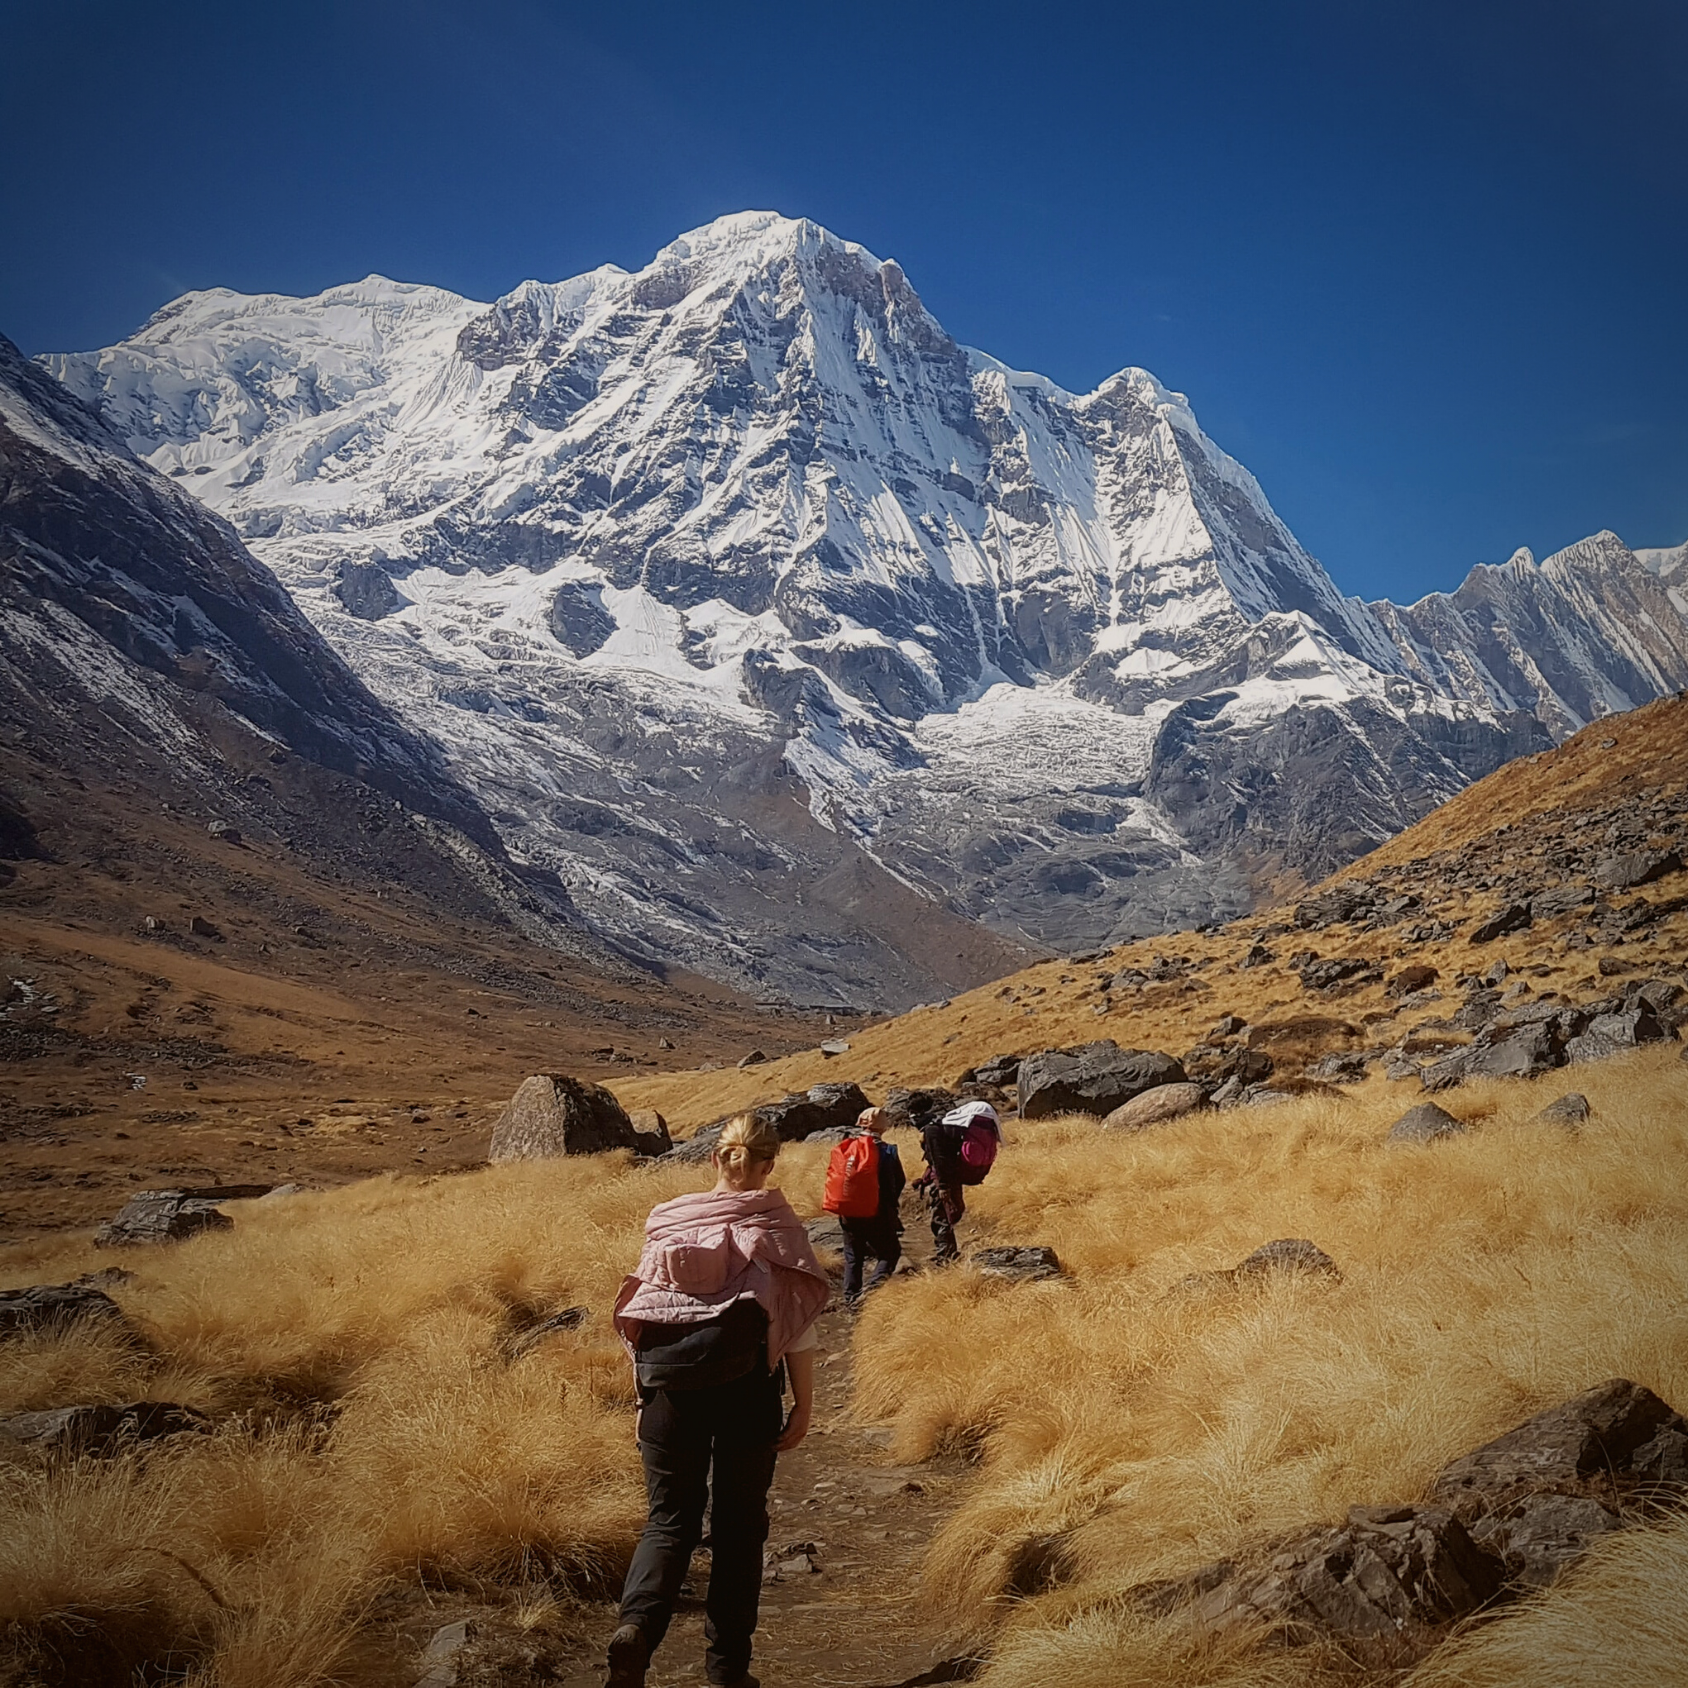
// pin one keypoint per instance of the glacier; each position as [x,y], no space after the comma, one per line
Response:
[660,558]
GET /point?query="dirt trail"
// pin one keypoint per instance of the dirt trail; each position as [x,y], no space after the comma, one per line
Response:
[856,1620]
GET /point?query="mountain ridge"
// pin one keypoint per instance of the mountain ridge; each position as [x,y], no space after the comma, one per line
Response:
[750,512]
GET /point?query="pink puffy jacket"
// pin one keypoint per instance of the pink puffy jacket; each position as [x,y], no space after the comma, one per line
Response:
[705,1251]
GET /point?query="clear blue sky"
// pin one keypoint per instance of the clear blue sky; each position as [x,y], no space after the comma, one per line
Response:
[1422,266]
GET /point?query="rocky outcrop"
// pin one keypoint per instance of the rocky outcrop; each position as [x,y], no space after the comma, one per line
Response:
[1018,1264]
[1094,1078]
[1387,1585]
[821,1109]
[161,1216]
[553,1114]
[46,1307]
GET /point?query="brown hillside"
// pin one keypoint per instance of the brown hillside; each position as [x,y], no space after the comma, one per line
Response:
[1544,822]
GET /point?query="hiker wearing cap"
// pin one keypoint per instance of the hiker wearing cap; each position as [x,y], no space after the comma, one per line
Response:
[960,1148]
[864,1187]
[719,1314]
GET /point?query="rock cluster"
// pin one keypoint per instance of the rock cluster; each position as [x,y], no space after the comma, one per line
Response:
[1510,1515]
[814,1112]
[1094,1078]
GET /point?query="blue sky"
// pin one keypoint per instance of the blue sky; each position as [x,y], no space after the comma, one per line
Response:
[1423,267]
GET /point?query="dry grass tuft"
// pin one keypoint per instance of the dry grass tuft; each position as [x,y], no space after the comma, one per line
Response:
[373,1431]
[1131,1428]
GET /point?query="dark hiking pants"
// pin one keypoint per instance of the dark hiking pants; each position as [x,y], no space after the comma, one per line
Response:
[948,1205]
[693,1441]
[874,1238]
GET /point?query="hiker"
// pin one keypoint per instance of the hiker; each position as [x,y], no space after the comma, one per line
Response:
[719,1314]
[959,1149]
[864,1187]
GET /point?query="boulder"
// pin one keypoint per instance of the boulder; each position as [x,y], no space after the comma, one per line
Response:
[754,1059]
[553,1114]
[53,1306]
[1538,1535]
[914,1110]
[1505,1050]
[1155,1107]
[1640,867]
[1343,1067]
[1570,1110]
[202,928]
[823,1107]
[1094,1078]
[650,1133]
[999,1071]
[835,1046]
[1549,905]
[1395,1576]
[1419,977]
[160,1216]
[1022,1265]
[696,1149]
[1425,1124]
[1513,918]
[101,1430]
[1326,975]
[1595,1434]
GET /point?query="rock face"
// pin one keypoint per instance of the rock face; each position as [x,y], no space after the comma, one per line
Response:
[1508,1516]
[1094,1078]
[1425,1124]
[1539,1495]
[1054,656]
[159,1216]
[1155,1107]
[1394,1575]
[52,1306]
[553,1114]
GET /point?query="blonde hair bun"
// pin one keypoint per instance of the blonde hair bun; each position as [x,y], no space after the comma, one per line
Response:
[746,1139]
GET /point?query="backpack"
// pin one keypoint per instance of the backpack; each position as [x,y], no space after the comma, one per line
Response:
[978,1152]
[698,1356]
[852,1179]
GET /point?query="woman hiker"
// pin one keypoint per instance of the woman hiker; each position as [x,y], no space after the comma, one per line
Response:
[719,1313]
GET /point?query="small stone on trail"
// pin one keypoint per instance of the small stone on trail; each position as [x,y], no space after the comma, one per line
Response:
[1424,1124]
[1022,1265]
[1570,1110]
[835,1046]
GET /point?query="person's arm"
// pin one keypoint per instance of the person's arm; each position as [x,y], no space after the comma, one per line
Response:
[800,1368]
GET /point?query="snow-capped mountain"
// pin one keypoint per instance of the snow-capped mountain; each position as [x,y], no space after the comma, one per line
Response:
[654,556]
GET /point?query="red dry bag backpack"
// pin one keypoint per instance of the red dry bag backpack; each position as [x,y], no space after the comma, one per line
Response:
[852,1179]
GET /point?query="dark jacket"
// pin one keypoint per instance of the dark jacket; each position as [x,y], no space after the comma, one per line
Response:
[892,1178]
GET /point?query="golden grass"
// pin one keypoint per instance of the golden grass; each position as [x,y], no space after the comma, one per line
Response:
[1130,1429]
[373,1432]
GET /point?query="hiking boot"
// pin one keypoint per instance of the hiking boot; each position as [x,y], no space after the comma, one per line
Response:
[629,1654]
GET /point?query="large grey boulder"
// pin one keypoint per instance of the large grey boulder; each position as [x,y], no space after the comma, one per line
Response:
[1156,1107]
[53,1306]
[1513,918]
[821,1109]
[1639,867]
[1094,1078]
[553,1114]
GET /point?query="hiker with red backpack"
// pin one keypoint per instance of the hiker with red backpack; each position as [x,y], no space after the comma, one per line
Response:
[864,1187]
[959,1149]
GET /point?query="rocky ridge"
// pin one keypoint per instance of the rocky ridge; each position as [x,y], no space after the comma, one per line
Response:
[691,571]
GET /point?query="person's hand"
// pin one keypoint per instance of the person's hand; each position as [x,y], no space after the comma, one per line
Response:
[796,1428]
